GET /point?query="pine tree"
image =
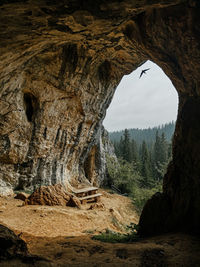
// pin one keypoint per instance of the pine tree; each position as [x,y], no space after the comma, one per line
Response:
[145,166]
[163,148]
[160,156]
[126,146]
[134,151]
[157,149]
[120,147]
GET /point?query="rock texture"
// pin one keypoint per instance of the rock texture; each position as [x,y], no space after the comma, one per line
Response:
[11,245]
[59,66]
[95,165]
[22,196]
[13,250]
[49,195]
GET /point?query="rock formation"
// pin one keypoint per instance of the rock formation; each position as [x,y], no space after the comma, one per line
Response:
[22,196]
[95,165]
[13,250]
[60,63]
[52,195]
[10,244]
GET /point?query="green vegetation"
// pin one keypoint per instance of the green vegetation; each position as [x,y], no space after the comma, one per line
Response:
[114,237]
[140,168]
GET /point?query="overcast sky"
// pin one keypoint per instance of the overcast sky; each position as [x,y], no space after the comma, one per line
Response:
[141,103]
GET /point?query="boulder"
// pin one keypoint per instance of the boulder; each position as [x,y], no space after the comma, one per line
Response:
[52,195]
[13,248]
[150,223]
[22,196]
[11,245]
[74,202]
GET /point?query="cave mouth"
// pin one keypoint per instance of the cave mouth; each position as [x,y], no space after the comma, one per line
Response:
[89,165]
[146,104]
[30,103]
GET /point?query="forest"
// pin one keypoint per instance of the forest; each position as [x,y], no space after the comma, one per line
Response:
[147,135]
[141,164]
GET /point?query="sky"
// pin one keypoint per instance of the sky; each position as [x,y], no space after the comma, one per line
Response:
[141,103]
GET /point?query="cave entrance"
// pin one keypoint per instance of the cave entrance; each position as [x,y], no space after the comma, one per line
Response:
[146,106]
[30,103]
[89,165]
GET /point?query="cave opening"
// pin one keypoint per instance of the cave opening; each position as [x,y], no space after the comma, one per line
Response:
[30,102]
[147,107]
[89,165]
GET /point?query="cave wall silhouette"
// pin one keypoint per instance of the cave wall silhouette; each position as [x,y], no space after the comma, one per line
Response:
[60,64]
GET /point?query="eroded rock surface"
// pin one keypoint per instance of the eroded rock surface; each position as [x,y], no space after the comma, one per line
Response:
[95,165]
[13,250]
[49,195]
[11,245]
[60,65]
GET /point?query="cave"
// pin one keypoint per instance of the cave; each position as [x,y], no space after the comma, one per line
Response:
[89,166]
[73,56]
[30,106]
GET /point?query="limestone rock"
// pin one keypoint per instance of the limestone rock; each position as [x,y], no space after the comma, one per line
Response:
[5,189]
[14,251]
[49,195]
[150,222]
[22,196]
[10,244]
[95,165]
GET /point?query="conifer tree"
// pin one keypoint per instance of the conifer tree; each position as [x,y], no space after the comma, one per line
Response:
[134,151]
[163,148]
[126,146]
[145,166]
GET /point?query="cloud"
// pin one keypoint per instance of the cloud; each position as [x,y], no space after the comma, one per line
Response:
[141,103]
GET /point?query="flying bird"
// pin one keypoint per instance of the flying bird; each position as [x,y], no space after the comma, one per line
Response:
[143,71]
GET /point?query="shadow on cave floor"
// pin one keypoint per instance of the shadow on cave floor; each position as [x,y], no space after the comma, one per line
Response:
[165,250]
[52,233]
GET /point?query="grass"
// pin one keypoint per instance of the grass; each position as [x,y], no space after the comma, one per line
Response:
[114,237]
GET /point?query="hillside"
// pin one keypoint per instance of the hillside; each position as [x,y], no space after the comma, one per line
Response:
[147,135]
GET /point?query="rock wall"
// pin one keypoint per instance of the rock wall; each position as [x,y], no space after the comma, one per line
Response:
[104,149]
[59,66]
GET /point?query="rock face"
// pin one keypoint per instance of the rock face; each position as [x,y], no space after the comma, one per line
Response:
[59,66]
[95,165]
[106,149]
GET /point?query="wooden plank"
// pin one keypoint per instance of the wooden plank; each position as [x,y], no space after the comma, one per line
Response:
[83,190]
[90,196]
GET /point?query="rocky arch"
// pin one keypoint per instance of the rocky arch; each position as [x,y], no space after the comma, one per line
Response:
[71,56]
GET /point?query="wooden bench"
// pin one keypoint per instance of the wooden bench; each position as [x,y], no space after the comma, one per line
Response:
[95,197]
[86,194]
[86,191]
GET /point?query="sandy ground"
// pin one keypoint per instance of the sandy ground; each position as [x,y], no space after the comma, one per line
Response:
[62,235]
[117,212]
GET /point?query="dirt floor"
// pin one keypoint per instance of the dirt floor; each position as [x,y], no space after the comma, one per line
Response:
[62,235]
